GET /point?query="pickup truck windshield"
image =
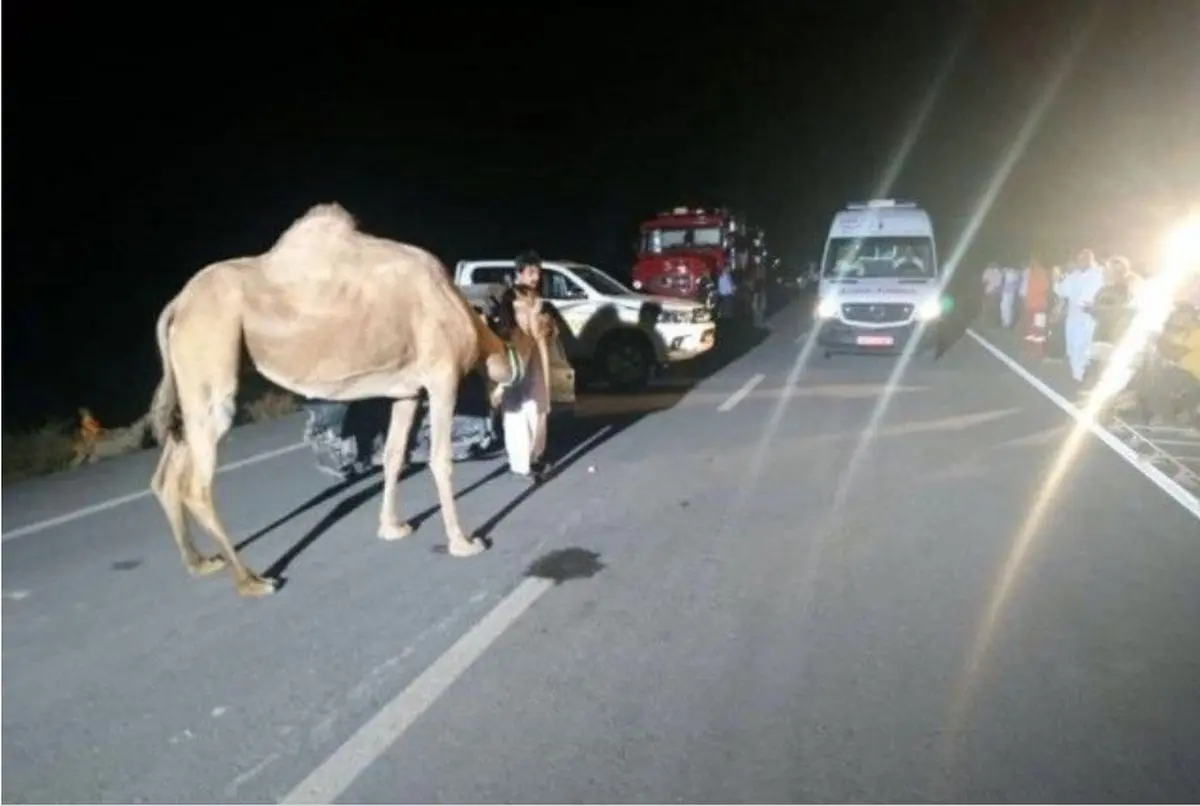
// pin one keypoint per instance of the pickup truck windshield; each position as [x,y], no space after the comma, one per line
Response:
[600,281]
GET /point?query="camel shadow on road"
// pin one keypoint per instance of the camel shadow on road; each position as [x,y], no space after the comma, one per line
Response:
[569,443]
[599,417]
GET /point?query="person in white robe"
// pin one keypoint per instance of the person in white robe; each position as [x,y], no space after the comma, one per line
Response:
[1010,290]
[525,403]
[993,279]
[526,407]
[1078,291]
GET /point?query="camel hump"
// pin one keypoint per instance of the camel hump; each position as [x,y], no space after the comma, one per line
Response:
[324,227]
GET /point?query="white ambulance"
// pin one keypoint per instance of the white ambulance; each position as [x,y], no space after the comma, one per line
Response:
[879,280]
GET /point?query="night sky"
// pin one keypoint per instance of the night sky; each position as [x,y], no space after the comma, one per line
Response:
[141,145]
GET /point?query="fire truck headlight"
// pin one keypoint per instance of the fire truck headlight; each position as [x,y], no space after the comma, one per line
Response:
[827,308]
[929,310]
[637,285]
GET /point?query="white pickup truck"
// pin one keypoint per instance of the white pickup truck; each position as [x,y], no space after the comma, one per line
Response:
[619,334]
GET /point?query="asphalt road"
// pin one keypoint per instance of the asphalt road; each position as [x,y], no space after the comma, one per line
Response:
[730,593]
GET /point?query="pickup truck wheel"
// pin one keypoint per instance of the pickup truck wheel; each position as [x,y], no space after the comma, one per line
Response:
[625,361]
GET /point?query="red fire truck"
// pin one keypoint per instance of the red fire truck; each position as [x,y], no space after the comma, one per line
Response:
[681,251]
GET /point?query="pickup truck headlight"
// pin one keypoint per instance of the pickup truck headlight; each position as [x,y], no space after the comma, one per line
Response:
[930,309]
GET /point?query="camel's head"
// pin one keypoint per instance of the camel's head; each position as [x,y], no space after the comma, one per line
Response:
[502,318]
[520,324]
[500,365]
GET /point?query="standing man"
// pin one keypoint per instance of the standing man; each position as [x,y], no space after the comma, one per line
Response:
[1077,292]
[1010,290]
[993,278]
[1037,304]
[1056,343]
[725,294]
[526,404]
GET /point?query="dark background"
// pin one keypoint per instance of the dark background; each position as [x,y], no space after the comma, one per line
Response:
[143,142]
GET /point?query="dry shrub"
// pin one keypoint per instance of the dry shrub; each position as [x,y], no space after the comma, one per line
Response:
[271,405]
[52,447]
[44,450]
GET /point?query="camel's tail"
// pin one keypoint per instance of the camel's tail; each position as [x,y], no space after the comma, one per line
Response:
[165,422]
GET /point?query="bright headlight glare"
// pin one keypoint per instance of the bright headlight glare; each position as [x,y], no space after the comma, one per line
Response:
[1152,297]
[827,308]
[1182,244]
[930,309]
[1154,301]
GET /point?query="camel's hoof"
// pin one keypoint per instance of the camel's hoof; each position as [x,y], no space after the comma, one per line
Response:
[395,531]
[255,586]
[466,548]
[207,565]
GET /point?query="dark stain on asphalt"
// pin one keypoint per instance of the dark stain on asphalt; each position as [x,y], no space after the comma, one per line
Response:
[564,565]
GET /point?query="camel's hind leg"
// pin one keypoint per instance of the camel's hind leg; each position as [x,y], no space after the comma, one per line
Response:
[442,396]
[167,485]
[394,454]
[205,356]
[202,449]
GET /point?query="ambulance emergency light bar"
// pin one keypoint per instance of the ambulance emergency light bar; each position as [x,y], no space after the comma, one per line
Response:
[875,204]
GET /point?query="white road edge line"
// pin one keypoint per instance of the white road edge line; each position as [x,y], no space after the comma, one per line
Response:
[111,503]
[740,394]
[335,775]
[1167,484]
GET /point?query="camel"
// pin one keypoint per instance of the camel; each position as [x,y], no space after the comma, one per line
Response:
[327,312]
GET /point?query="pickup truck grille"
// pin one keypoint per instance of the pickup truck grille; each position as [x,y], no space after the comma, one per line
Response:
[877,313]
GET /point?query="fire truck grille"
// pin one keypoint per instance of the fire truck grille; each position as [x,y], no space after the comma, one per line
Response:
[678,282]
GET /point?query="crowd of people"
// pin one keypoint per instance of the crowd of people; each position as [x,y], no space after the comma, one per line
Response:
[1067,312]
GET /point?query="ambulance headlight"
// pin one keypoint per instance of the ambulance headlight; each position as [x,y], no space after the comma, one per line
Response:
[929,310]
[827,308]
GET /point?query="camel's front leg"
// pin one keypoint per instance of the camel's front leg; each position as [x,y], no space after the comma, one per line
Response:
[441,463]
[391,527]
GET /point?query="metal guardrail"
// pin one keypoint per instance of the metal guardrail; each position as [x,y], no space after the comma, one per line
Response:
[1173,449]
